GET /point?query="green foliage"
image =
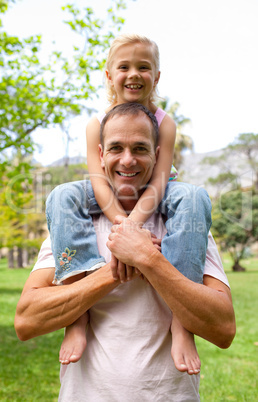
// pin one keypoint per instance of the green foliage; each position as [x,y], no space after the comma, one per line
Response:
[37,94]
[34,94]
[235,213]
[245,146]
[59,174]
[222,178]
[235,222]
[20,226]
[245,142]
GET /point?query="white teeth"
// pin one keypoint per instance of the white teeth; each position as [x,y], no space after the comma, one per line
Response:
[127,174]
[134,86]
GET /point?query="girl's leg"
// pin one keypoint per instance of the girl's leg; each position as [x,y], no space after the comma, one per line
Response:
[188,211]
[73,237]
[74,341]
[183,351]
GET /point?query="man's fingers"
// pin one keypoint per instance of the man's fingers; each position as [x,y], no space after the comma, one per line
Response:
[129,272]
[121,271]
[114,228]
[114,267]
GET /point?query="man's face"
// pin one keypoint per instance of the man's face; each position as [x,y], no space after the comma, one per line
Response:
[128,155]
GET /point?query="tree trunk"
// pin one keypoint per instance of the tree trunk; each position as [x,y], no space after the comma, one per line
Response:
[11,258]
[20,258]
[238,268]
[25,258]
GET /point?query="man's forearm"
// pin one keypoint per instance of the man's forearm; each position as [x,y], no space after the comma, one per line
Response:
[43,308]
[203,310]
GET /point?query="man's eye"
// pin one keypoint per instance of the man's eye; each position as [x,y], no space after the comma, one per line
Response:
[141,149]
[115,148]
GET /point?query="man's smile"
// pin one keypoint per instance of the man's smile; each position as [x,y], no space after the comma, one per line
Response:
[127,174]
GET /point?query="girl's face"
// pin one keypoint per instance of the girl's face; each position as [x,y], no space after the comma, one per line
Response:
[133,74]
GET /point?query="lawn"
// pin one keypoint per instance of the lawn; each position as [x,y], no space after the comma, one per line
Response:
[231,375]
[29,371]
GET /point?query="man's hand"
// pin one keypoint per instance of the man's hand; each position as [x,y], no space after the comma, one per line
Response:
[129,242]
[121,271]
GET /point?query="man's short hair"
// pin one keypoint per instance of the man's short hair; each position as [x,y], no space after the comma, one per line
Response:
[130,109]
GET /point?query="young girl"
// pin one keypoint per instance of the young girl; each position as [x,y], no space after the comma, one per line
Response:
[132,75]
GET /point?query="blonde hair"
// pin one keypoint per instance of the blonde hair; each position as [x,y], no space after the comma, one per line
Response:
[127,39]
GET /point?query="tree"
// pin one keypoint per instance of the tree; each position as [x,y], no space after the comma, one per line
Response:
[247,144]
[183,141]
[34,94]
[235,212]
[245,147]
[235,223]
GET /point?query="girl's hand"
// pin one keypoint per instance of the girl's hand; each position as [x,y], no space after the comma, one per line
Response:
[122,271]
[156,242]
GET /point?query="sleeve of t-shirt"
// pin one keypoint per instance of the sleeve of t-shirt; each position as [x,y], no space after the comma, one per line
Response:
[213,265]
[45,256]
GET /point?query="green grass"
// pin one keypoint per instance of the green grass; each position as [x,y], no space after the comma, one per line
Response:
[29,371]
[231,375]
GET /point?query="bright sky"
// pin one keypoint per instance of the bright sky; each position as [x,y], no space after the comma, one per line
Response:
[209,63]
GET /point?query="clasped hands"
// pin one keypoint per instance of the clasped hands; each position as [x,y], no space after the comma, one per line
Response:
[128,243]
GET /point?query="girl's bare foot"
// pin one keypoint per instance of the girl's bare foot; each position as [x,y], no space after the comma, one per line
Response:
[74,341]
[183,351]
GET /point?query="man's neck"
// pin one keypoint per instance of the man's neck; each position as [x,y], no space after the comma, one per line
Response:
[128,205]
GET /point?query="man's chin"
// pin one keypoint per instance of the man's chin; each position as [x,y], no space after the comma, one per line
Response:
[127,193]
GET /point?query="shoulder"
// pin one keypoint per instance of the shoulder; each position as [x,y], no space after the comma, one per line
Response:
[92,127]
[160,114]
[45,256]
[163,117]
[213,265]
[167,131]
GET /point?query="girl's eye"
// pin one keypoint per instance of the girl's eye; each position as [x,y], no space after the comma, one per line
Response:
[122,67]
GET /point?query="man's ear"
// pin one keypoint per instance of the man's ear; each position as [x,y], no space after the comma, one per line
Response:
[109,77]
[157,154]
[102,163]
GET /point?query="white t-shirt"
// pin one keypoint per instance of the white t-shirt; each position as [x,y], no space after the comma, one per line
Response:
[128,357]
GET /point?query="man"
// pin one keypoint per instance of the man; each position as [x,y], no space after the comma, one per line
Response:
[128,340]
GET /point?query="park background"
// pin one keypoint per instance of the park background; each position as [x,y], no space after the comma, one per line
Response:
[51,84]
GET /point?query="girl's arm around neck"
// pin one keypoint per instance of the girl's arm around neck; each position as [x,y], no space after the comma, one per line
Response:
[150,199]
[104,195]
